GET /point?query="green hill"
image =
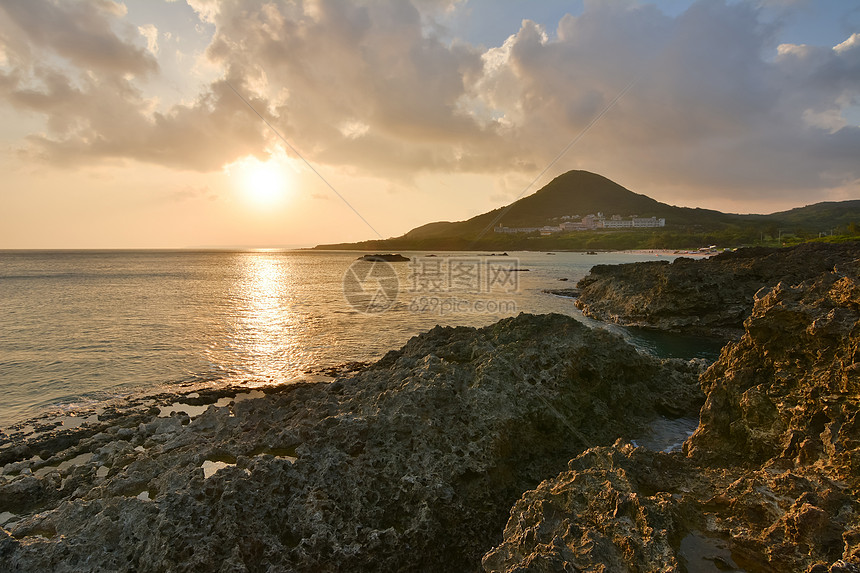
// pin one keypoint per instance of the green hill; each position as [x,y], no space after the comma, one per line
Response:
[821,216]
[580,193]
[573,193]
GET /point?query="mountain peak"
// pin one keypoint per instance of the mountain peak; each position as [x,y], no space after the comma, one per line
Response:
[572,193]
[577,194]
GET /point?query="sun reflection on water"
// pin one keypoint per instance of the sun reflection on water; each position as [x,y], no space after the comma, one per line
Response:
[266,329]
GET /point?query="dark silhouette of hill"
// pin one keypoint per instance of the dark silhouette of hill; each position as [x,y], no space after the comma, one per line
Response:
[824,216]
[580,193]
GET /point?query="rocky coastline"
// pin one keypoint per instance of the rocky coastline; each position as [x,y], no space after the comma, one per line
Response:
[410,464]
[705,297]
[509,448]
[769,482]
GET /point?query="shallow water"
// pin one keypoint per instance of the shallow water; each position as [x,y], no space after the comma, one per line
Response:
[670,345]
[81,327]
[667,435]
[703,554]
[62,466]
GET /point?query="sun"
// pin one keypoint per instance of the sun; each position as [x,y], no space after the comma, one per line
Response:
[263,183]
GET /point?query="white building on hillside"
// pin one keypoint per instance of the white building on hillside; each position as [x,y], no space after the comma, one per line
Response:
[649,222]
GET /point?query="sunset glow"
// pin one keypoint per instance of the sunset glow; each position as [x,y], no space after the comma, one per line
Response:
[120,116]
[429,285]
[263,184]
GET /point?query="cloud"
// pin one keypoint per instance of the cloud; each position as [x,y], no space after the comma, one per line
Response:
[369,65]
[713,104]
[150,32]
[66,63]
[851,43]
[207,10]
[709,99]
[203,136]
[340,80]
[77,31]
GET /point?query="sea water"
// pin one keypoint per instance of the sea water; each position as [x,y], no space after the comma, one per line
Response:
[79,327]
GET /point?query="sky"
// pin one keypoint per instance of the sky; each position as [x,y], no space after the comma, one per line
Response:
[248,123]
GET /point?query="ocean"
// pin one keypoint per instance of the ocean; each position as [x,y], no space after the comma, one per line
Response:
[82,327]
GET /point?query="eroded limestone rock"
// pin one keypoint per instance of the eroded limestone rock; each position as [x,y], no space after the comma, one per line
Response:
[769,482]
[710,297]
[412,464]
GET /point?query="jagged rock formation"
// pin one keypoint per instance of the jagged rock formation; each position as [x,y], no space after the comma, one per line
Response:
[790,386]
[770,481]
[412,464]
[709,297]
